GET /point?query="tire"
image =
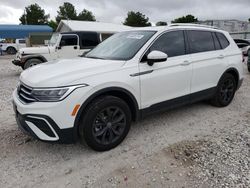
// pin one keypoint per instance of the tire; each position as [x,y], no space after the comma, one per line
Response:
[11,50]
[105,123]
[31,62]
[225,91]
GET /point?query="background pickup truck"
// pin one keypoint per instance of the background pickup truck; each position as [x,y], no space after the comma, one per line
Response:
[12,48]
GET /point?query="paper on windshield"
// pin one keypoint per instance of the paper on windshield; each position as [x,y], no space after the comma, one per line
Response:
[134,36]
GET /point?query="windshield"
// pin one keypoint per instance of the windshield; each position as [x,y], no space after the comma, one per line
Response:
[53,39]
[121,46]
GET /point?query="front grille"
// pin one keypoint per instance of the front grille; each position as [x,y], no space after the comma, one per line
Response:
[24,93]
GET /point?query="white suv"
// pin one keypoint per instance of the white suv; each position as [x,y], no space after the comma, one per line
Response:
[127,77]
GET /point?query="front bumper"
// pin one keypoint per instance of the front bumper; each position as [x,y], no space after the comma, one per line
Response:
[17,62]
[50,121]
[43,128]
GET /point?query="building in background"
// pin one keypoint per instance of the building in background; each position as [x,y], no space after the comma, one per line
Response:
[238,29]
[105,29]
[12,32]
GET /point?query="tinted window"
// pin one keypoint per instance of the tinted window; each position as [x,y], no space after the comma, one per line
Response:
[200,41]
[223,40]
[106,35]
[68,40]
[171,43]
[216,42]
[22,41]
[89,39]
[242,41]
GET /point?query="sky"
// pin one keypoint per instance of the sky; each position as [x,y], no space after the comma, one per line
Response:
[115,11]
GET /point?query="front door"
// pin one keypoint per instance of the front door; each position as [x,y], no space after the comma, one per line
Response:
[69,46]
[170,79]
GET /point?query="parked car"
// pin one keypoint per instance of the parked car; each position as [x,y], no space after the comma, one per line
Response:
[125,78]
[65,45]
[12,48]
[244,45]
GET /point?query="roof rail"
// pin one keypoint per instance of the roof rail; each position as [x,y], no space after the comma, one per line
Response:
[194,25]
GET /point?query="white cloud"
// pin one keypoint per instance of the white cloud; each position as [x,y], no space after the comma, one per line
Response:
[9,15]
[116,10]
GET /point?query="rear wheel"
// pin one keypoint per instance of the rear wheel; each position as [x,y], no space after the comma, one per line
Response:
[225,91]
[11,50]
[31,63]
[105,123]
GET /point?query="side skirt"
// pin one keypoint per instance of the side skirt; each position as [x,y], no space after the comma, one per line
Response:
[177,102]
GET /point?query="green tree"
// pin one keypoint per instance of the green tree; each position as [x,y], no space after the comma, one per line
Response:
[53,24]
[185,19]
[34,15]
[86,15]
[136,19]
[160,23]
[67,11]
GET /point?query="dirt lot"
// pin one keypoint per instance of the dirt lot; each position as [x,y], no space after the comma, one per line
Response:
[193,146]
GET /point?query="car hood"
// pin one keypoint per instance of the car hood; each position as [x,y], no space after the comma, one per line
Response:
[66,71]
[35,50]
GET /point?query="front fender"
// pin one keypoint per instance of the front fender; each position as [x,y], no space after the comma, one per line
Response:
[35,56]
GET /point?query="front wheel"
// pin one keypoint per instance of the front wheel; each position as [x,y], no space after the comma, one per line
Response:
[105,123]
[225,91]
[11,50]
[31,62]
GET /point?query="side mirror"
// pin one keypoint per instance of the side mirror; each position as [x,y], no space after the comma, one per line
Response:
[156,57]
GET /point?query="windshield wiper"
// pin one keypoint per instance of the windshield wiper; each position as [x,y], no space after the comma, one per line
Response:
[93,57]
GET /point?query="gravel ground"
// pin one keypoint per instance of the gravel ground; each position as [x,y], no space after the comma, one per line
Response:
[193,146]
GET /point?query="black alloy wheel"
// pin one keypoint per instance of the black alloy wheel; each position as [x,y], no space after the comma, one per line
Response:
[227,90]
[109,125]
[105,123]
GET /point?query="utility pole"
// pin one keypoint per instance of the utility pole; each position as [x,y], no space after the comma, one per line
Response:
[25,18]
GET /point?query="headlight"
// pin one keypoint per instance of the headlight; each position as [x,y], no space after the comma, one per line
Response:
[53,94]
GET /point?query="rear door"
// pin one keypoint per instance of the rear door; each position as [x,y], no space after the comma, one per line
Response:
[207,59]
[69,46]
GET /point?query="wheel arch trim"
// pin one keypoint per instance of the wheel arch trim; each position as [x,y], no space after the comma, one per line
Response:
[107,91]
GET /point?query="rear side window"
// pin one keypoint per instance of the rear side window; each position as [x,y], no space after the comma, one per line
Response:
[22,41]
[68,40]
[171,43]
[200,41]
[223,40]
[89,40]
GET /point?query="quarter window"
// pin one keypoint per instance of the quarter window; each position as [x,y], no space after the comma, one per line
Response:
[200,41]
[223,40]
[171,43]
[216,42]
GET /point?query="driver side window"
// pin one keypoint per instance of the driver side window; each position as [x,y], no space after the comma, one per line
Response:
[172,43]
[69,40]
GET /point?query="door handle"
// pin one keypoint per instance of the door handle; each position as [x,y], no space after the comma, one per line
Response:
[220,57]
[185,63]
